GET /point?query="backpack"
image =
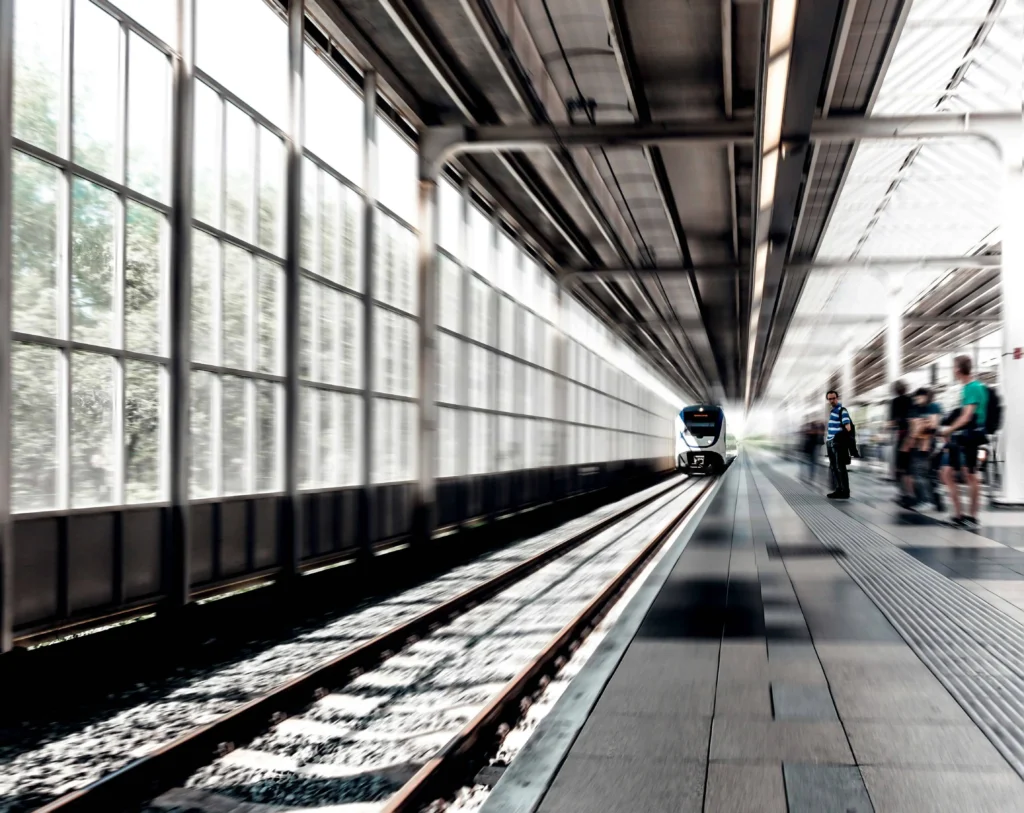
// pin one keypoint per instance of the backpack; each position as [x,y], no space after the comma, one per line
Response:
[993,413]
[851,435]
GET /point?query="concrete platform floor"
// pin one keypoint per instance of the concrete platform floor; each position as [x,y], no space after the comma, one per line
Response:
[800,656]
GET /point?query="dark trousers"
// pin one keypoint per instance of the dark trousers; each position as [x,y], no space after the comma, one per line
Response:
[837,463]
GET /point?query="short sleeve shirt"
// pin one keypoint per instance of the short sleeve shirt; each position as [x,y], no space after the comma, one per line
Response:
[976,393]
[836,419]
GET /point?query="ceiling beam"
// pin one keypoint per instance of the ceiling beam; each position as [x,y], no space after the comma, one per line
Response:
[865,319]
[622,44]
[978,262]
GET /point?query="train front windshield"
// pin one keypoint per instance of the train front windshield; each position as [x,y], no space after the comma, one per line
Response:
[702,423]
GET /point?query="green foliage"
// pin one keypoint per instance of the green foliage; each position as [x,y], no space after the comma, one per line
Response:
[47,293]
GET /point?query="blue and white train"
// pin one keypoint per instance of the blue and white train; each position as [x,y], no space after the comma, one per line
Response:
[701,440]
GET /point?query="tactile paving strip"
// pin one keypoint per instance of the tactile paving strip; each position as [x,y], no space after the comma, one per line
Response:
[973,649]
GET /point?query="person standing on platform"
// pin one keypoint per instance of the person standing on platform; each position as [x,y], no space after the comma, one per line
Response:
[899,423]
[965,434]
[924,422]
[838,445]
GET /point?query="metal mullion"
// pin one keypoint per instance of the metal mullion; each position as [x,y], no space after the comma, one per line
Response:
[404,314]
[321,385]
[64,274]
[519,343]
[492,362]
[78,170]
[121,278]
[217,297]
[561,380]
[318,236]
[222,203]
[251,411]
[228,96]
[465,277]
[252,312]
[217,433]
[339,223]
[238,373]
[130,24]
[315,374]
[390,396]
[448,255]
[7,605]
[314,394]
[328,283]
[237,242]
[254,217]
[65,344]
[315,360]
[327,169]
[482,410]
[401,221]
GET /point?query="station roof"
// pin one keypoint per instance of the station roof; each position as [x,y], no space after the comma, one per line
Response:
[728,319]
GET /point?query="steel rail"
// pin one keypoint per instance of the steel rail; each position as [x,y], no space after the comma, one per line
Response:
[455,765]
[167,766]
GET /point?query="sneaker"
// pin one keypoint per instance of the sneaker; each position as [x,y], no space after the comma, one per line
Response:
[834,495]
[957,522]
[843,495]
[971,523]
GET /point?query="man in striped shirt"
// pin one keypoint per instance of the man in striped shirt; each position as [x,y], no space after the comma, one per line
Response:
[839,424]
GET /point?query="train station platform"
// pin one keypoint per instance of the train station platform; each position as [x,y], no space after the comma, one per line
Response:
[792,654]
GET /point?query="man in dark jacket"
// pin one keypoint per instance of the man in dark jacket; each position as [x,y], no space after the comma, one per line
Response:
[899,422]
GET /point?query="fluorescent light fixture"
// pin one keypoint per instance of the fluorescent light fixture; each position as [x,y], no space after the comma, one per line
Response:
[756,298]
[760,265]
[783,21]
[769,171]
[774,101]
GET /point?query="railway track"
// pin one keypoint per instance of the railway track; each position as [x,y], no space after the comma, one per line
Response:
[171,763]
[455,766]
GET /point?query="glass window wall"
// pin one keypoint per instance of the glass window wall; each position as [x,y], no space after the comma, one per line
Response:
[89,260]
[93,125]
[498,360]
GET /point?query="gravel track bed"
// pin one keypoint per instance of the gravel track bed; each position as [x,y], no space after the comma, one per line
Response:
[63,757]
[357,746]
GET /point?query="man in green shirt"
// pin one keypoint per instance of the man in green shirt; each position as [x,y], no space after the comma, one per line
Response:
[965,434]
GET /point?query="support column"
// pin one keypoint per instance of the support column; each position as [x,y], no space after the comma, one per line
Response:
[367,501]
[893,334]
[1011,441]
[424,520]
[463,429]
[494,367]
[561,322]
[847,377]
[293,527]
[6,213]
[178,578]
